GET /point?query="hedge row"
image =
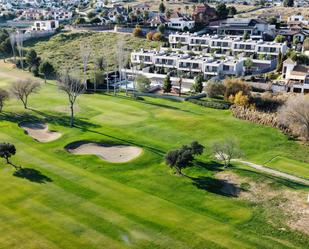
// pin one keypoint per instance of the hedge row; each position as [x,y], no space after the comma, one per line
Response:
[211,104]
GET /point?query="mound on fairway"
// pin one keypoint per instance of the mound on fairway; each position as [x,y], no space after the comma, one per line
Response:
[112,153]
[39,131]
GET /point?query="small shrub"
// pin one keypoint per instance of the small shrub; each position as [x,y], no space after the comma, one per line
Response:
[149,36]
[157,36]
[137,32]
[245,186]
[214,89]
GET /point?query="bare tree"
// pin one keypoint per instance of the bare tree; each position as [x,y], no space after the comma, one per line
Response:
[295,115]
[85,52]
[4,95]
[13,44]
[226,151]
[123,59]
[72,87]
[22,89]
[20,47]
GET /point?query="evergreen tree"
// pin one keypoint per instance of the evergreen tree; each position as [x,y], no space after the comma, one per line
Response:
[162,7]
[198,84]
[279,62]
[167,84]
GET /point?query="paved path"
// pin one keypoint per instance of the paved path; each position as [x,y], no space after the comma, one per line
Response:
[274,172]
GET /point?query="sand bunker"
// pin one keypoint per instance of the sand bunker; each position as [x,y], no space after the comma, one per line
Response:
[39,131]
[108,152]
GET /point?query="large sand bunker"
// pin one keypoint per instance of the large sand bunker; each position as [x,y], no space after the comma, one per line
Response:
[112,153]
[39,131]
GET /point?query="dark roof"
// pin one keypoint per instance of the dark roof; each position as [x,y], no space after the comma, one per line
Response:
[157,19]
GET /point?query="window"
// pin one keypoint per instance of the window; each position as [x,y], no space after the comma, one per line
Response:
[226,68]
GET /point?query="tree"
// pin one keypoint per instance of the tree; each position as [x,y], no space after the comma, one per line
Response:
[46,69]
[35,71]
[100,63]
[162,7]
[295,115]
[161,28]
[149,36]
[85,52]
[22,89]
[13,44]
[226,151]
[182,158]
[7,150]
[90,14]
[32,59]
[80,20]
[5,48]
[288,3]
[122,59]
[120,19]
[187,9]
[280,39]
[233,86]
[167,84]
[222,11]
[279,62]
[4,96]
[20,47]
[240,99]
[96,20]
[142,83]
[157,36]
[246,36]
[198,84]
[232,11]
[214,89]
[168,14]
[248,64]
[137,31]
[72,87]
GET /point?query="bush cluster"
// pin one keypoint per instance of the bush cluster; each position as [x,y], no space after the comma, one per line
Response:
[211,104]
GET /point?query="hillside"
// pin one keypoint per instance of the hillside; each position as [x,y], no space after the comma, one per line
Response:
[64,49]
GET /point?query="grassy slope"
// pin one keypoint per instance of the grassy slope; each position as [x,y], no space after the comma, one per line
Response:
[92,204]
[64,48]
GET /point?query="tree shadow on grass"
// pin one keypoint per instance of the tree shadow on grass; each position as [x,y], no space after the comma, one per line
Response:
[147,102]
[56,119]
[275,179]
[32,175]
[63,120]
[210,165]
[216,186]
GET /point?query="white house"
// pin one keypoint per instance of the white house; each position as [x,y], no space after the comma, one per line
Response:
[49,25]
[180,22]
[296,76]
[298,18]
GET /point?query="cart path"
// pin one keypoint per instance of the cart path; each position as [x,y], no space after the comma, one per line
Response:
[274,172]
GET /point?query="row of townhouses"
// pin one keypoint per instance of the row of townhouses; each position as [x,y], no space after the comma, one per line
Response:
[183,60]
[193,42]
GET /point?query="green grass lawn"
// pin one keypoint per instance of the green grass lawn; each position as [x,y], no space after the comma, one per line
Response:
[70,201]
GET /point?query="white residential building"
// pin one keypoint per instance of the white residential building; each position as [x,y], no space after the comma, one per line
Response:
[235,45]
[296,76]
[50,25]
[187,64]
[180,22]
